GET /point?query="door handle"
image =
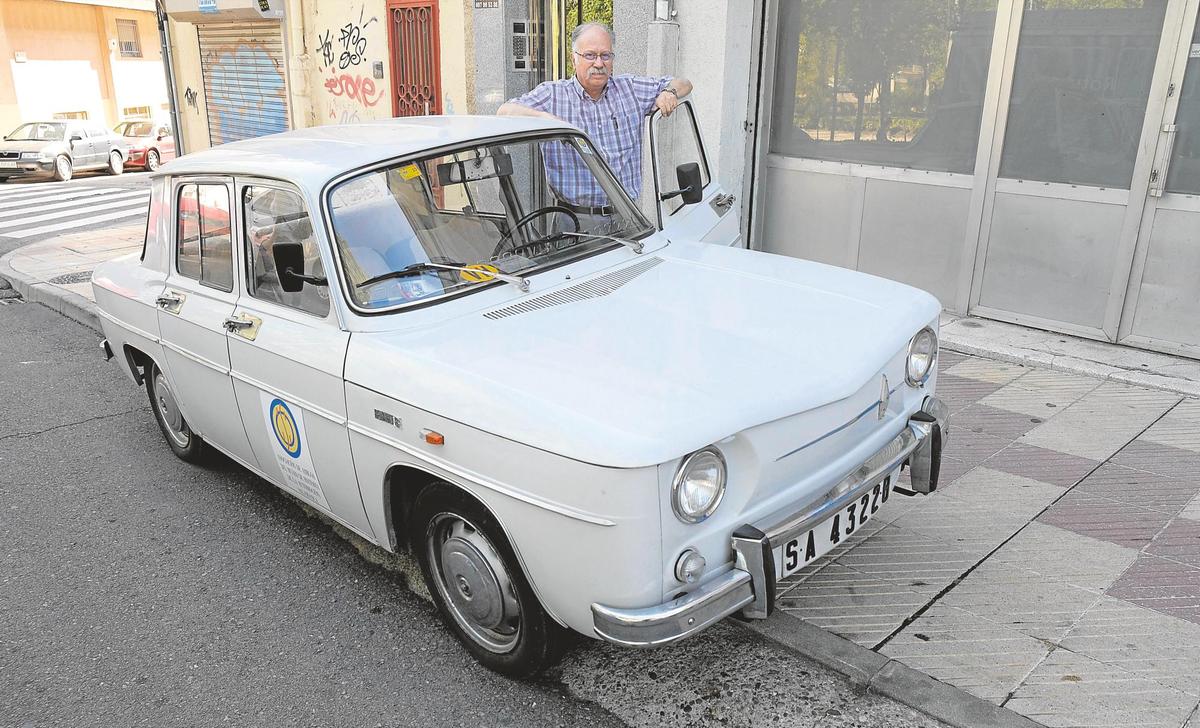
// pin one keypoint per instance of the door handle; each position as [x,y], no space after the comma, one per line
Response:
[244,325]
[722,203]
[170,302]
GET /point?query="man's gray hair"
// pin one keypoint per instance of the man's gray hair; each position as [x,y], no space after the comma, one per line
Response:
[581,29]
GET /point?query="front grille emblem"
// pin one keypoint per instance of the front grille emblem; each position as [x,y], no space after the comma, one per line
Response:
[885,395]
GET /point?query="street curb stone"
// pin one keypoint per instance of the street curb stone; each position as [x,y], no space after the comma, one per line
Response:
[888,677]
[69,304]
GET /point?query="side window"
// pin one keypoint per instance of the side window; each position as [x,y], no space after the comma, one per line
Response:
[274,216]
[204,249]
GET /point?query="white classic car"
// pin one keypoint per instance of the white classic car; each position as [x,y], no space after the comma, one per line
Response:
[576,418]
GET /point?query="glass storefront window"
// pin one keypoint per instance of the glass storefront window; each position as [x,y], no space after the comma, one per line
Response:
[1080,89]
[897,83]
[1184,175]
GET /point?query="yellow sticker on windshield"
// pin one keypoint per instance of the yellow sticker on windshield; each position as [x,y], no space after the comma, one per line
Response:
[478,273]
[410,171]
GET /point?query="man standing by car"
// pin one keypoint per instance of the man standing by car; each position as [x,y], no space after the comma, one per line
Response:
[609,108]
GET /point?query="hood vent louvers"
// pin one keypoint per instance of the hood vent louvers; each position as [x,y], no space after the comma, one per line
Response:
[595,288]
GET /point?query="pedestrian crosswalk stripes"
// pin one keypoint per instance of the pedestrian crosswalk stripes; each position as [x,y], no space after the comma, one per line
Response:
[62,226]
[12,202]
[38,209]
[111,196]
[137,202]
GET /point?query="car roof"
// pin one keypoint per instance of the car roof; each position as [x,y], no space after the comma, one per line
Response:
[311,157]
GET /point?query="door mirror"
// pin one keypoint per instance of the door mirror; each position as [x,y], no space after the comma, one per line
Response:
[691,184]
[289,263]
[76,138]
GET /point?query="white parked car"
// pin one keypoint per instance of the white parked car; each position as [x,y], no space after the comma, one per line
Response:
[576,418]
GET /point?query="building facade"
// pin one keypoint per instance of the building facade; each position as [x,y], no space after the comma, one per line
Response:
[1031,161]
[98,60]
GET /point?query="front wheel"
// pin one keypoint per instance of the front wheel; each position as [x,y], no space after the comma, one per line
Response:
[152,160]
[115,164]
[62,168]
[186,444]
[479,586]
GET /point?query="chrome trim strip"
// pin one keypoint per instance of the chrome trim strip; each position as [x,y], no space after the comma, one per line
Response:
[303,403]
[839,428]
[678,618]
[872,470]
[117,322]
[481,481]
[195,357]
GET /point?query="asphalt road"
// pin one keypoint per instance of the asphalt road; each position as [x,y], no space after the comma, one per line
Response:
[137,590]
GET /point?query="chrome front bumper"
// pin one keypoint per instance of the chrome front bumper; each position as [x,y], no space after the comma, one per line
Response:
[749,587]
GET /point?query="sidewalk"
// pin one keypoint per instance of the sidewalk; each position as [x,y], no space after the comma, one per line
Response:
[1053,577]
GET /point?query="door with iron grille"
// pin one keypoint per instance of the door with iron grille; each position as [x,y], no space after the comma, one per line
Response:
[416,72]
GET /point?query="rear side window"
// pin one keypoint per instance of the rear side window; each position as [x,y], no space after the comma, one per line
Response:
[204,248]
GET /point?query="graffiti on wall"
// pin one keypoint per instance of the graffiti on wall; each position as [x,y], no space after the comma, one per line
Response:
[354,87]
[244,100]
[189,98]
[351,48]
[343,61]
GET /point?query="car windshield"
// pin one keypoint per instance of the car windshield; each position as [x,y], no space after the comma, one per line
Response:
[488,207]
[134,128]
[40,131]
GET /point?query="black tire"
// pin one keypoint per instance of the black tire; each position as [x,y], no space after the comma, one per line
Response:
[187,445]
[153,161]
[63,169]
[116,164]
[537,641]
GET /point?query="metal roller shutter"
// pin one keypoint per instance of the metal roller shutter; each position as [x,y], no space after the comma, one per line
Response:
[243,65]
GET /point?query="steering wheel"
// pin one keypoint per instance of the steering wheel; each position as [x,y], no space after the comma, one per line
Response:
[525,219]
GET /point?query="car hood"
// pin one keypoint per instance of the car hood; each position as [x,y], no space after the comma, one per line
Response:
[660,356]
[27,146]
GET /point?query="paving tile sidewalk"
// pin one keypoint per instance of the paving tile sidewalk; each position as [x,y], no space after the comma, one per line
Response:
[1056,572]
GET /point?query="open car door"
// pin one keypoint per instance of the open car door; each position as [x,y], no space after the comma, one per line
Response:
[675,144]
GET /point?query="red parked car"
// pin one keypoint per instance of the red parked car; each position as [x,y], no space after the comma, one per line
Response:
[150,143]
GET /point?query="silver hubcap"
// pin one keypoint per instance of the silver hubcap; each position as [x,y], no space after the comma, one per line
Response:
[164,402]
[114,161]
[64,167]
[472,580]
[152,161]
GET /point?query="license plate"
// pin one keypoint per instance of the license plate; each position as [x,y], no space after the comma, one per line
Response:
[822,538]
[8,164]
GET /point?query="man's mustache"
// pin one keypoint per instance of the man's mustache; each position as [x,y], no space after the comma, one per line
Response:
[597,71]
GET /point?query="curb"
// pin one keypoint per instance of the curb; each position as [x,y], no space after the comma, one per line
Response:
[1072,365]
[885,676]
[72,305]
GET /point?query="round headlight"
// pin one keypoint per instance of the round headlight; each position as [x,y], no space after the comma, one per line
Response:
[922,351]
[698,486]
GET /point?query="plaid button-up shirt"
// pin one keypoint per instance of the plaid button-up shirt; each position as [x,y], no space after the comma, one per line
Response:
[614,123]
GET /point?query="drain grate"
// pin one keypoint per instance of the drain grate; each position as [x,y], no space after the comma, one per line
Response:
[82,276]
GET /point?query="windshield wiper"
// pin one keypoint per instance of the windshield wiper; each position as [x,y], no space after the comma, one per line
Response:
[419,268]
[635,245]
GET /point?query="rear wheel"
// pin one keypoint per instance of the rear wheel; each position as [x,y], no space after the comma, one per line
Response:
[152,160]
[63,169]
[116,165]
[186,444]
[479,586]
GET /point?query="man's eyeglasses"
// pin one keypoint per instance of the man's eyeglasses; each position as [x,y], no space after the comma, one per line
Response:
[591,56]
